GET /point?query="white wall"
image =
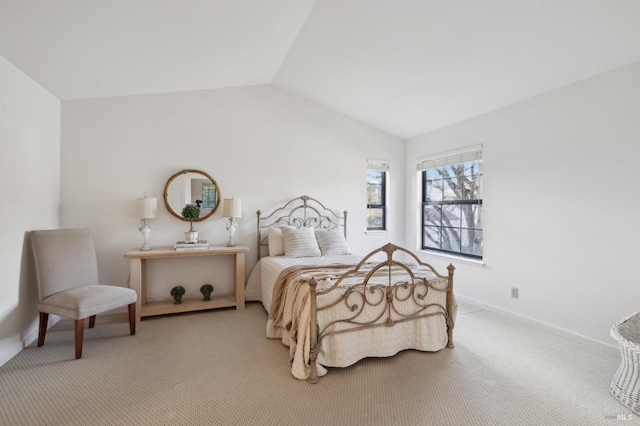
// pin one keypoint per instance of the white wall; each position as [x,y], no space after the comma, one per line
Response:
[259,143]
[30,194]
[561,203]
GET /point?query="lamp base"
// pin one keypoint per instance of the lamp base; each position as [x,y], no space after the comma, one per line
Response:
[145,230]
[231,227]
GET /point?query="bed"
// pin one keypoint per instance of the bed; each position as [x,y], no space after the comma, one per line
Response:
[333,308]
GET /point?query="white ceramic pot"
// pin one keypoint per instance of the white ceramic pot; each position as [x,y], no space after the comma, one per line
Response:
[191,236]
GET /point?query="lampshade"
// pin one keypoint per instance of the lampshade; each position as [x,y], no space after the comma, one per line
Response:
[232,207]
[147,208]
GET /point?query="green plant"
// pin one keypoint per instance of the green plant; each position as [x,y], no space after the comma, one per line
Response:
[206,288]
[191,212]
[178,291]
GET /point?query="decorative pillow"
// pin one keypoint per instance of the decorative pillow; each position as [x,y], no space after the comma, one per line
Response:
[276,246]
[300,242]
[332,242]
[274,238]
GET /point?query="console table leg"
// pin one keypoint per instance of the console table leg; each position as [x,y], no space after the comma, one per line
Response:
[239,277]
[135,283]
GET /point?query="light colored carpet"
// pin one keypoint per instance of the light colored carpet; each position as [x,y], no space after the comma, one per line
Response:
[216,367]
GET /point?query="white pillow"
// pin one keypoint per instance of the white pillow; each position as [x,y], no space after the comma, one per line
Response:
[332,242]
[300,242]
[274,239]
[276,246]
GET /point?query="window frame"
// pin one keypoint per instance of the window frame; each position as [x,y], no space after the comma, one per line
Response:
[208,202]
[382,167]
[383,201]
[438,162]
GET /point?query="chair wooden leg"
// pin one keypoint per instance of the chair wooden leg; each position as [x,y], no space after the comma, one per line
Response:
[79,337]
[132,318]
[92,321]
[42,331]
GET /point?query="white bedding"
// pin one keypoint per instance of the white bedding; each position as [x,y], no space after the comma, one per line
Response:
[341,350]
[263,277]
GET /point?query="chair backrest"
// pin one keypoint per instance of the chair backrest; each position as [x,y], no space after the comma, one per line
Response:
[64,259]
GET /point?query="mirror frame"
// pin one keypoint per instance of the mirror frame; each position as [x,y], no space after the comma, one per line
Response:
[177,214]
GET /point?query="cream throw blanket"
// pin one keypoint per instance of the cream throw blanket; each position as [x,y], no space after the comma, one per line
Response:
[290,313]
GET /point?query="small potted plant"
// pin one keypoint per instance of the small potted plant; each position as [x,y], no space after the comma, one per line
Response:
[206,291]
[191,212]
[177,292]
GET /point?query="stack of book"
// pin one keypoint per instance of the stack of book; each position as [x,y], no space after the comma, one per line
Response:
[195,245]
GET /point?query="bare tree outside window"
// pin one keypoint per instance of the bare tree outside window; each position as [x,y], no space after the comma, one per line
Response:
[452,208]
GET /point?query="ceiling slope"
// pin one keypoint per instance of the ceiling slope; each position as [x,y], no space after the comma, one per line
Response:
[410,66]
[89,49]
[404,66]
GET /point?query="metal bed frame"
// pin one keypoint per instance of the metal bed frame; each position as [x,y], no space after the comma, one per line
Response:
[300,211]
[307,211]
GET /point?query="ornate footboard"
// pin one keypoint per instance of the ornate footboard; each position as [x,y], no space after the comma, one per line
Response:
[379,294]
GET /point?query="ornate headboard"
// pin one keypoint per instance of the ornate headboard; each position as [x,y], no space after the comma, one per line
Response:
[299,212]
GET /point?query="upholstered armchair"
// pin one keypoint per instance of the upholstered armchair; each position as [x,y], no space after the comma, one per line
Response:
[67,275]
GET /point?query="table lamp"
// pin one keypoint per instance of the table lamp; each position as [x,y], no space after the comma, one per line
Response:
[232,209]
[146,208]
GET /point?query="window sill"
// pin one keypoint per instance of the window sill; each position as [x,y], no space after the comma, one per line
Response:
[452,257]
[385,232]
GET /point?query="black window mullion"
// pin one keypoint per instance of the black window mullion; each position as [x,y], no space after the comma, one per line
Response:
[382,205]
[426,202]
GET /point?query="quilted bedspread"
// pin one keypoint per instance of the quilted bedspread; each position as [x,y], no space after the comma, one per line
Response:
[290,314]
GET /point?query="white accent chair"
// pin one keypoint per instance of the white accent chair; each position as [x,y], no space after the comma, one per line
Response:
[67,275]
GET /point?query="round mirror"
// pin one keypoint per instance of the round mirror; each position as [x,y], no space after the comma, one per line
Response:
[191,187]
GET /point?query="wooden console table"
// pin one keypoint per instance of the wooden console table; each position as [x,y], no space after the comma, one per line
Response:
[138,280]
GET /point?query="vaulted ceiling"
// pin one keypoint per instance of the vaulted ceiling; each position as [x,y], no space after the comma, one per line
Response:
[403,66]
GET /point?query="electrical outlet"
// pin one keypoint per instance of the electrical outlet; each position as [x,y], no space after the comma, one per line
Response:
[514,292]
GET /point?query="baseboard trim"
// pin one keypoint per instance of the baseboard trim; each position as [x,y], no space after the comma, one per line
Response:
[596,344]
[12,349]
[30,336]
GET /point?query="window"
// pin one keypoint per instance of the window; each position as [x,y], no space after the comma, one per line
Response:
[377,195]
[209,196]
[452,202]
